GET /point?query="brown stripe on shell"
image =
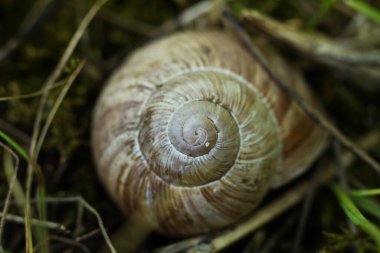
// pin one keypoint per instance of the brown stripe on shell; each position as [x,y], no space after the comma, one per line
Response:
[294,139]
[171,210]
[137,178]
[114,122]
[217,200]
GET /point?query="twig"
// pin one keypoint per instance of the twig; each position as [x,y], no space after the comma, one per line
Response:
[78,221]
[343,55]
[35,222]
[88,207]
[261,217]
[313,113]
[136,230]
[87,235]
[93,211]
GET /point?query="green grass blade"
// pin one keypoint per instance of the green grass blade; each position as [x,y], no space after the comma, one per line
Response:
[366,192]
[356,217]
[365,9]
[369,205]
[14,145]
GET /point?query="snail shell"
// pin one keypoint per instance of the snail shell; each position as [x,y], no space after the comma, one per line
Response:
[190,132]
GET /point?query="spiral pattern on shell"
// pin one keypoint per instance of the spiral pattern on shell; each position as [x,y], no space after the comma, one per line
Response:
[199,128]
[189,134]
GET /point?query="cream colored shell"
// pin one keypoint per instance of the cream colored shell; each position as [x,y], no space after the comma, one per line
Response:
[190,133]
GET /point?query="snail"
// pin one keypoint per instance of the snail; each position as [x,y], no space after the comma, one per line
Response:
[190,133]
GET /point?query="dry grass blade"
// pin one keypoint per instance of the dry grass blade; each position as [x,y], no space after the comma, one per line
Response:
[41,139]
[87,206]
[353,63]
[314,114]
[135,230]
[261,217]
[35,222]
[32,94]
[79,200]
[100,222]
[36,128]
[57,103]
[59,68]
[12,183]
[87,235]
[11,170]
[314,44]
[78,221]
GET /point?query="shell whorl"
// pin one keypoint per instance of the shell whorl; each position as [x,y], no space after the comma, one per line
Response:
[190,133]
[199,125]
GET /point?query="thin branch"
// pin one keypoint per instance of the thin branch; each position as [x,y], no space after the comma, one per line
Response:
[35,222]
[87,235]
[319,46]
[350,61]
[261,217]
[92,210]
[88,207]
[314,114]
